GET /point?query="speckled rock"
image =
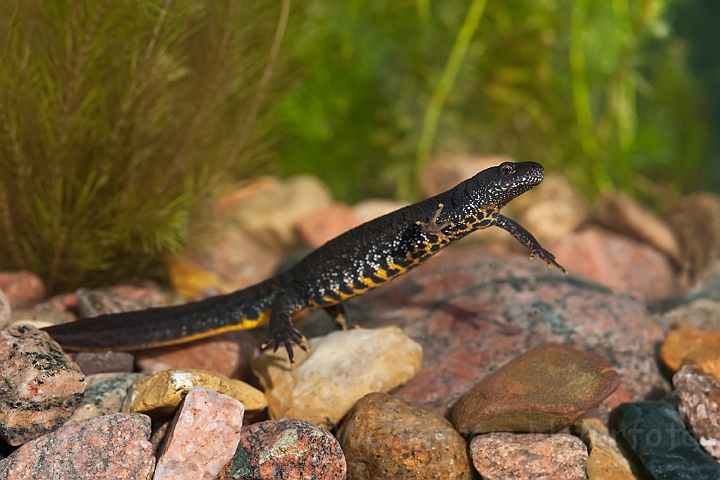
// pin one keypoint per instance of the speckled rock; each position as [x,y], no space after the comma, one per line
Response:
[229,354]
[692,346]
[473,312]
[383,437]
[657,435]
[698,403]
[122,298]
[4,310]
[326,223]
[41,384]
[104,395]
[605,461]
[695,221]
[105,362]
[617,261]
[542,390]
[342,368]
[286,448]
[507,456]
[23,289]
[202,438]
[112,446]
[160,394]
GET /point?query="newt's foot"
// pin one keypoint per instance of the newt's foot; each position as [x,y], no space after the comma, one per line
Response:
[547,257]
[432,227]
[286,336]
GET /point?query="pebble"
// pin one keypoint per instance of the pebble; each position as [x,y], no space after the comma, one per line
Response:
[229,354]
[289,449]
[542,390]
[508,456]
[111,446]
[41,384]
[618,262]
[698,403]
[698,307]
[121,298]
[606,461]
[105,362]
[23,289]
[104,394]
[342,368]
[618,212]
[692,346]
[695,221]
[202,438]
[318,227]
[160,394]
[5,311]
[383,437]
[473,312]
[657,435]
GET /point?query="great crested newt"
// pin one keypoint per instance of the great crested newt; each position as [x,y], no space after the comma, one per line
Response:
[351,264]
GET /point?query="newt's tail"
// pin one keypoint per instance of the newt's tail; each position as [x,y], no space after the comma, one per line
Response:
[156,327]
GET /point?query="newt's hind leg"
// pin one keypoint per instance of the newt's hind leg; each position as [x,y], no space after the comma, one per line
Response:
[282,331]
[337,312]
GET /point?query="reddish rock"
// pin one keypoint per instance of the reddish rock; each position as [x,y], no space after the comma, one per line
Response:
[285,448]
[112,446]
[229,354]
[616,261]
[542,390]
[64,302]
[4,311]
[41,385]
[105,362]
[372,208]
[505,456]
[473,312]
[23,289]
[445,171]
[326,223]
[122,298]
[383,437]
[699,406]
[202,438]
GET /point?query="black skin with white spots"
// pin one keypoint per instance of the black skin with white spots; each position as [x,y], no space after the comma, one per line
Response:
[351,264]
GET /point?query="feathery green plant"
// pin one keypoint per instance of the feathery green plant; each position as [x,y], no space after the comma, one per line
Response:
[117,120]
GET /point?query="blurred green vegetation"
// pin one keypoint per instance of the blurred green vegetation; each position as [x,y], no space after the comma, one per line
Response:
[118,120]
[598,90]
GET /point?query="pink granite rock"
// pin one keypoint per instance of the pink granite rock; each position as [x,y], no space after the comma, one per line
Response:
[4,310]
[23,289]
[111,446]
[618,262]
[506,456]
[286,448]
[41,384]
[327,223]
[203,437]
[699,405]
[473,312]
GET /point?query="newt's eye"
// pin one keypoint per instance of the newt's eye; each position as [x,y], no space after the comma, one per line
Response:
[507,168]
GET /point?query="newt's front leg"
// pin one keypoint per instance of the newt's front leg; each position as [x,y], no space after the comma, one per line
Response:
[526,238]
[432,227]
[282,331]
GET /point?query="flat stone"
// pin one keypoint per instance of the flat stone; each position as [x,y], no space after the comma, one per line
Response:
[695,221]
[383,437]
[618,262]
[606,461]
[104,395]
[160,395]
[121,298]
[229,354]
[111,446]
[692,346]
[5,311]
[618,212]
[698,403]
[542,390]
[342,368]
[41,384]
[286,448]
[507,456]
[105,362]
[657,435]
[324,224]
[202,438]
[23,289]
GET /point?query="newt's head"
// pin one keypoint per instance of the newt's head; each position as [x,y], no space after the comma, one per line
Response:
[496,186]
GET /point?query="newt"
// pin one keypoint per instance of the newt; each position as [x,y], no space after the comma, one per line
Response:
[351,264]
